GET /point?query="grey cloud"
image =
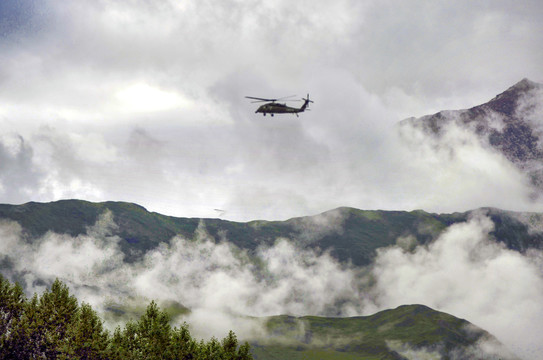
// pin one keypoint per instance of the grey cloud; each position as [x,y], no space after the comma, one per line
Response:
[215,152]
[451,50]
[417,48]
[18,174]
[18,18]
[268,168]
[342,153]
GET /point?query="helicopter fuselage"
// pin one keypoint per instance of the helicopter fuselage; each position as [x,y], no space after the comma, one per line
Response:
[278,108]
[274,107]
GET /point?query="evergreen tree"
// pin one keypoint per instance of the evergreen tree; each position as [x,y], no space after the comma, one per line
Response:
[27,339]
[183,346]
[12,300]
[129,339]
[85,337]
[210,351]
[244,352]
[118,347]
[39,332]
[58,309]
[154,334]
[232,350]
[53,326]
[230,346]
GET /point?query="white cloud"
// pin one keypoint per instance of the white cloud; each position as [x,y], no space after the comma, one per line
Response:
[216,281]
[97,74]
[464,273]
[467,274]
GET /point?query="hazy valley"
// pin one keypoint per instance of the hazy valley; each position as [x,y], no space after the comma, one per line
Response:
[482,265]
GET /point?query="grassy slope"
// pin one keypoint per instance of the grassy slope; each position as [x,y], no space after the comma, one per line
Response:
[415,326]
[356,239]
[355,236]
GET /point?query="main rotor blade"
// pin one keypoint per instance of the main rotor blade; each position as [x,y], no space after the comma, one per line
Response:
[260,99]
[286,97]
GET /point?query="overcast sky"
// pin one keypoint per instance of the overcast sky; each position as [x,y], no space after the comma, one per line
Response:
[143,101]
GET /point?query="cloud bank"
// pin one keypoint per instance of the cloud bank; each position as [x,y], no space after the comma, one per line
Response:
[257,169]
[215,280]
[464,272]
[467,274]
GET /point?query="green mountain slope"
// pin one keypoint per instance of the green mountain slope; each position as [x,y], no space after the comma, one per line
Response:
[407,332]
[350,234]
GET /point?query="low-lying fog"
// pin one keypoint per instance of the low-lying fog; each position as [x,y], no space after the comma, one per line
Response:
[463,273]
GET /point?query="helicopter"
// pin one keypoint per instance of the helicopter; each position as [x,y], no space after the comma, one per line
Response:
[272,107]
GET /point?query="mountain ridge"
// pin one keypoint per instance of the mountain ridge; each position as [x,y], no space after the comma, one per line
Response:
[351,235]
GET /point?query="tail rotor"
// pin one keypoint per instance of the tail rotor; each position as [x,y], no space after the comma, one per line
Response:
[306,103]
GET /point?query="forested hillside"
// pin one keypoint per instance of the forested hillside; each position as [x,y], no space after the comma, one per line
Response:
[55,326]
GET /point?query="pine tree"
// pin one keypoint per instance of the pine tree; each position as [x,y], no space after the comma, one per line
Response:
[212,350]
[56,310]
[85,336]
[12,300]
[230,346]
[12,303]
[232,350]
[27,338]
[183,346]
[154,333]
[244,352]
[40,330]
[53,326]
[118,348]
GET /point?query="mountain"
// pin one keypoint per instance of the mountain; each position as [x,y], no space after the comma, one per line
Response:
[351,235]
[511,123]
[407,332]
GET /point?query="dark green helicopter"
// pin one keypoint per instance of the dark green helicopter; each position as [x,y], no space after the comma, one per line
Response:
[272,107]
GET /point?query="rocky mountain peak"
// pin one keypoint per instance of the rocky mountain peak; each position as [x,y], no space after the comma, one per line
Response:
[506,102]
[511,123]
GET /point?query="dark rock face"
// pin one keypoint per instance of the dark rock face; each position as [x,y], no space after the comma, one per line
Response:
[511,123]
[521,108]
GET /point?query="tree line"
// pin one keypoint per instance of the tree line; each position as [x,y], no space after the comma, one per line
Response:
[55,326]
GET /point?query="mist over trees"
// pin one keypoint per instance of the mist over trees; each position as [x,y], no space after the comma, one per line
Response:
[55,326]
